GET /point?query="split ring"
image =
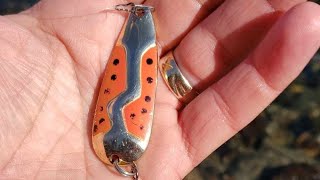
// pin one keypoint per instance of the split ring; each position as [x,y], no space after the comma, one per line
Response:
[134,170]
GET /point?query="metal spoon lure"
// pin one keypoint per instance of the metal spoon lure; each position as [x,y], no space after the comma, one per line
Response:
[124,112]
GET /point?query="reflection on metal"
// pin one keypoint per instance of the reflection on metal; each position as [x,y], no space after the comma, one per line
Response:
[175,80]
[138,37]
[126,99]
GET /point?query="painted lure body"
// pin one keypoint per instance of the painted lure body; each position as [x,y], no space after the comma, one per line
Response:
[125,106]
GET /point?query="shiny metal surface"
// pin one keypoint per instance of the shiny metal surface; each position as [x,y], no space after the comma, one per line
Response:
[134,170]
[139,36]
[175,80]
[133,8]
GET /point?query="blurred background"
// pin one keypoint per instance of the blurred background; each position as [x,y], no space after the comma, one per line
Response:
[282,143]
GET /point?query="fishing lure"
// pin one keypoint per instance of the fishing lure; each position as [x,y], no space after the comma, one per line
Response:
[124,111]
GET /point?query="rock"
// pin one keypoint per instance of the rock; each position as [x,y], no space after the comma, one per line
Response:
[295,171]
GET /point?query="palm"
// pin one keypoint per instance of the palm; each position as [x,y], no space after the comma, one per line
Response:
[51,67]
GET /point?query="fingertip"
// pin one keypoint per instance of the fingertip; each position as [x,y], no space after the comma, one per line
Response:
[289,45]
[307,14]
[303,20]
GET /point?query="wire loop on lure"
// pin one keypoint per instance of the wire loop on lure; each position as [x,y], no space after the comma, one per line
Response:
[133,173]
[125,7]
[130,7]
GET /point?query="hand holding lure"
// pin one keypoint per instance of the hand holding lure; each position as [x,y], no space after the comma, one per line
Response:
[124,111]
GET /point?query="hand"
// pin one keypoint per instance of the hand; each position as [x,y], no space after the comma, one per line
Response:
[52,58]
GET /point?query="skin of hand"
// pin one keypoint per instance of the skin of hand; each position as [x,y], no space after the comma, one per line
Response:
[239,54]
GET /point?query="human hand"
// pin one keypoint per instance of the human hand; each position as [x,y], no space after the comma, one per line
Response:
[52,58]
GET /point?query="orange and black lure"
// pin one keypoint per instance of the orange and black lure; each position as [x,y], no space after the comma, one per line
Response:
[125,107]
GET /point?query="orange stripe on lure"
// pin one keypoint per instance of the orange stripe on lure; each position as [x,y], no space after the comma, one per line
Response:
[125,107]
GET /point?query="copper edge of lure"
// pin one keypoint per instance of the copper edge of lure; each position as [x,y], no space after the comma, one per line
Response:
[124,111]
